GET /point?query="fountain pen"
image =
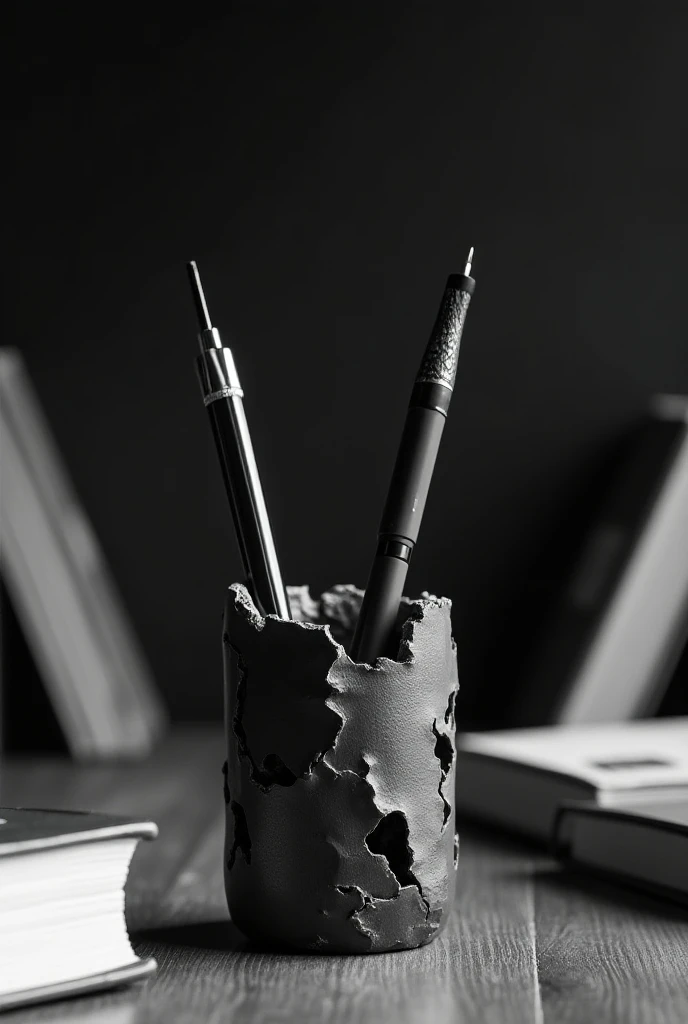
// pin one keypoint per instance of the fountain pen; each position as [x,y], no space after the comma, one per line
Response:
[223,398]
[420,441]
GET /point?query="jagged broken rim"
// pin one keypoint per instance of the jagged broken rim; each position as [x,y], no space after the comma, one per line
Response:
[339,606]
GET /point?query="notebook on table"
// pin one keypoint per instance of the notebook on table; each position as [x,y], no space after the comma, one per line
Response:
[518,778]
[645,845]
[62,927]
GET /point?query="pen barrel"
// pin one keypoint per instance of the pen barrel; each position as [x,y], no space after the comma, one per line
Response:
[399,528]
[413,469]
[383,592]
[425,419]
[222,396]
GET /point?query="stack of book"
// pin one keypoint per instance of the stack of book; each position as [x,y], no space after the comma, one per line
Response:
[608,797]
[598,779]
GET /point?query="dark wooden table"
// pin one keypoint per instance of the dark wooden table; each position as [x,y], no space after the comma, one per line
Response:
[527,943]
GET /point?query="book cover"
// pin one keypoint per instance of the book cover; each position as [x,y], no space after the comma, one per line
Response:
[645,845]
[613,637]
[63,597]
[47,892]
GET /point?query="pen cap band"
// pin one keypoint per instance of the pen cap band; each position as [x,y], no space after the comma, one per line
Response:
[217,374]
[461,282]
[442,354]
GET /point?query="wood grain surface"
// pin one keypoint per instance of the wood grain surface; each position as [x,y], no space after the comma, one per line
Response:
[527,943]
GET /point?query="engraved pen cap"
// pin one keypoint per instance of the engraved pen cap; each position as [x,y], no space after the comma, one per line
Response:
[441,357]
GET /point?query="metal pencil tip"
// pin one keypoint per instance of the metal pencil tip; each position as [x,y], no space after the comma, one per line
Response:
[198,296]
[469,261]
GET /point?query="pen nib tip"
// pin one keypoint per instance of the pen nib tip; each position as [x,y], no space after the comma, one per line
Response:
[469,261]
[198,296]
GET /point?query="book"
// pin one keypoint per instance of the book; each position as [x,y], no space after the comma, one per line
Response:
[518,778]
[62,927]
[675,699]
[85,650]
[645,846]
[614,635]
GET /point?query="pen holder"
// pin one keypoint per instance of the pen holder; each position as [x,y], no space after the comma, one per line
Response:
[339,780]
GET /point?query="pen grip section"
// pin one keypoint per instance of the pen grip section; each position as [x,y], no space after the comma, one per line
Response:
[383,593]
[442,353]
[217,425]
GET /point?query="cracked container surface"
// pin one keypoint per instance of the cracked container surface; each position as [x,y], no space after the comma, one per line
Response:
[339,778]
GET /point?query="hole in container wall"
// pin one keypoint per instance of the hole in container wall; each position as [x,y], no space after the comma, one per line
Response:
[444,752]
[274,770]
[390,839]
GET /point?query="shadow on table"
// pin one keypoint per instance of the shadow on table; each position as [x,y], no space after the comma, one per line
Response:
[548,875]
[219,936]
[478,834]
[207,936]
[609,892]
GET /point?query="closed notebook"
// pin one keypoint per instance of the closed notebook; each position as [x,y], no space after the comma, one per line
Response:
[518,778]
[645,845]
[62,927]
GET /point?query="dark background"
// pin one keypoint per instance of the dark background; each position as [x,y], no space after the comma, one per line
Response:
[328,165]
